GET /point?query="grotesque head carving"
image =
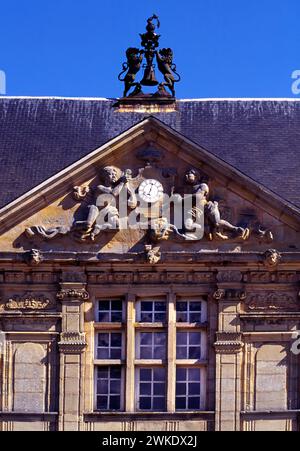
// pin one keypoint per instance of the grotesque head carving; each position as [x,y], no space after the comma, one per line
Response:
[272,257]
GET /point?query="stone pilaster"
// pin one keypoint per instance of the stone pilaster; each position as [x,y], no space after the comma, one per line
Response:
[130,340]
[71,346]
[228,347]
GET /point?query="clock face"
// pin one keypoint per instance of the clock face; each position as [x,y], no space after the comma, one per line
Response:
[151,190]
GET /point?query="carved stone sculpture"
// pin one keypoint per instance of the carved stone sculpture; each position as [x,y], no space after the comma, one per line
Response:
[272,257]
[113,182]
[30,301]
[47,233]
[34,257]
[215,226]
[153,254]
[80,192]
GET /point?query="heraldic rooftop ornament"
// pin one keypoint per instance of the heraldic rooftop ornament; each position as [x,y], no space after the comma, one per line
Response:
[144,58]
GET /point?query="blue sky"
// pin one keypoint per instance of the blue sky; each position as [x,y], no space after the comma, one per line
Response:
[223,48]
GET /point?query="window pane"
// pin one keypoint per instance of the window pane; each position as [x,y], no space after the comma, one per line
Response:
[115,386]
[114,402]
[195,306]
[103,372]
[159,374]
[194,374]
[116,317]
[194,353]
[116,305]
[115,372]
[104,305]
[181,374]
[116,340]
[116,353]
[146,317]
[180,389]
[146,306]
[103,317]
[181,306]
[160,317]
[146,338]
[181,317]
[194,403]
[180,403]
[103,353]
[159,403]
[103,340]
[195,317]
[102,402]
[146,353]
[145,403]
[145,374]
[159,389]
[159,338]
[194,389]
[181,352]
[181,338]
[145,389]
[195,338]
[160,306]
[102,387]
[159,352]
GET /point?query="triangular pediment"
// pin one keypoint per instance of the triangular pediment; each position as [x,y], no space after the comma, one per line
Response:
[148,150]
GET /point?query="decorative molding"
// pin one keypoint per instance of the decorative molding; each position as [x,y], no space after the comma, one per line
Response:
[273,300]
[73,293]
[228,342]
[229,295]
[73,276]
[229,276]
[29,301]
[72,342]
[180,277]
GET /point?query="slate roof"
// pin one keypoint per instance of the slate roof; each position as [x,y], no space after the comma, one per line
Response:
[41,136]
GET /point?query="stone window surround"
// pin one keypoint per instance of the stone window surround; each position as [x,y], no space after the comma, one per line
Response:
[135,363]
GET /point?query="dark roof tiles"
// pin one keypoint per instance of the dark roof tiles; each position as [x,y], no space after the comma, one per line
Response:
[41,136]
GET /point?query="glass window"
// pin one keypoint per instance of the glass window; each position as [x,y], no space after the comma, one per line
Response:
[152,389]
[108,387]
[189,312]
[152,312]
[188,390]
[109,345]
[110,311]
[188,345]
[152,345]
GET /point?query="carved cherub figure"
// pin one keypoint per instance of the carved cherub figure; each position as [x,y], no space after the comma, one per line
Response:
[215,225]
[113,183]
[165,64]
[132,66]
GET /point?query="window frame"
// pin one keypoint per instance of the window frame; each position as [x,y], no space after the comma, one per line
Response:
[137,388]
[190,299]
[138,310]
[105,299]
[122,388]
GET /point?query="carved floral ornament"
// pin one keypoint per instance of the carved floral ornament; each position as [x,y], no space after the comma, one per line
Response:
[272,301]
[141,202]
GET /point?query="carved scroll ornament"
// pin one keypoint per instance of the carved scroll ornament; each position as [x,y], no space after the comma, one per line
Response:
[29,301]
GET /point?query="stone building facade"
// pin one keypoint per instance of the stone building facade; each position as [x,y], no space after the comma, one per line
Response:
[128,329]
